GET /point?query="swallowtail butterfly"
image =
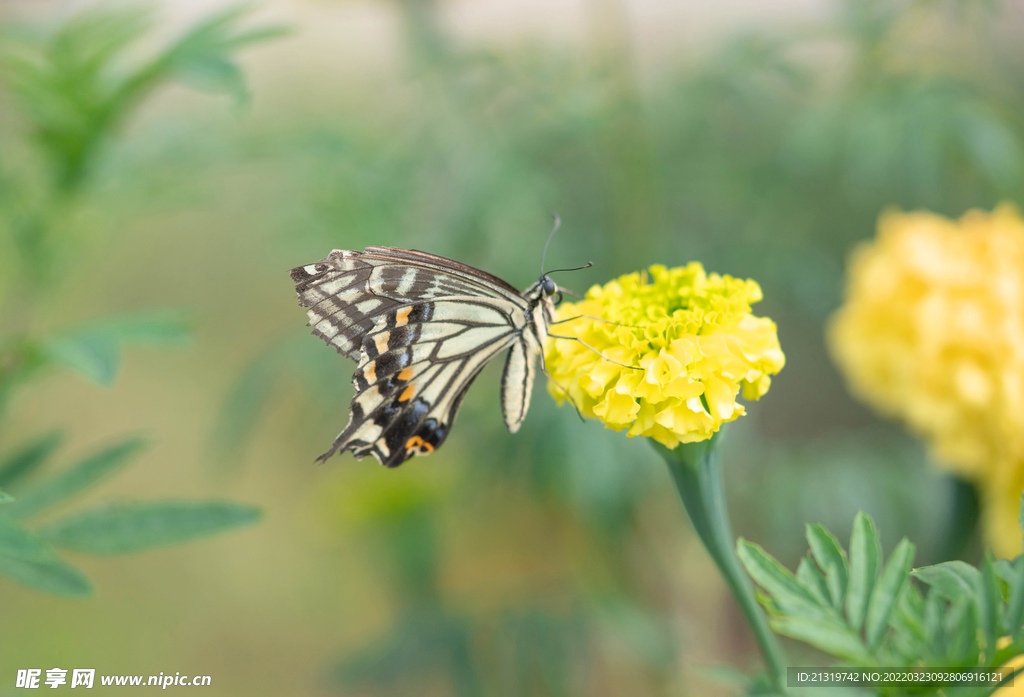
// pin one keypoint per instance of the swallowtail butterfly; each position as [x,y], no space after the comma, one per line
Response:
[421,327]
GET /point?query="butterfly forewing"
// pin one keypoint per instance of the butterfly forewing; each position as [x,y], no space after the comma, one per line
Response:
[348,290]
[421,328]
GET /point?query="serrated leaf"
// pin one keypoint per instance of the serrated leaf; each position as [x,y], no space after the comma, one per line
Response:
[832,560]
[865,554]
[50,575]
[73,480]
[134,527]
[886,591]
[813,581]
[785,590]
[990,607]
[950,579]
[766,601]
[24,461]
[830,637]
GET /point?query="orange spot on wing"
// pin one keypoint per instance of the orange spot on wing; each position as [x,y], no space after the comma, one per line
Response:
[420,445]
[405,374]
[407,393]
[370,372]
[402,316]
[382,342]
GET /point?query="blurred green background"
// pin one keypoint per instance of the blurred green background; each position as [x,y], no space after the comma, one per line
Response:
[762,140]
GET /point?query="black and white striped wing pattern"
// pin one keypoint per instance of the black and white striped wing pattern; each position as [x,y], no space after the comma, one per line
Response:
[421,327]
[348,291]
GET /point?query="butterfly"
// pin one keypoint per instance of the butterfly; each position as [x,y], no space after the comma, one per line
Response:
[421,327]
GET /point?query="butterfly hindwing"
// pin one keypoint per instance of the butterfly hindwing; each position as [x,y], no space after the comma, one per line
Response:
[517,382]
[416,364]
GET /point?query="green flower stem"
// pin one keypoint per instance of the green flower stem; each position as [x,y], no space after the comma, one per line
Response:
[697,474]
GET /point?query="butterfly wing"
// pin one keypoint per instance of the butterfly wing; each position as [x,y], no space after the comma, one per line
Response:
[416,364]
[421,327]
[348,291]
[517,381]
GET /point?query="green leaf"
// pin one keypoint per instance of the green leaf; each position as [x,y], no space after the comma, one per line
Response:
[886,591]
[19,543]
[216,74]
[82,85]
[166,327]
[95,352]
[50,575]
[813,581]
[961,632]
[1015,613]
[95,356]
[5,497]
[1004,570]
[865,553]
[907,620]
[245,400]
[832,560]
[910,610]
[766,601]
[22,462]
[950,579]
[777,580]
[133,527]
[990,607]
[73,480]
[829,637]
[934,607]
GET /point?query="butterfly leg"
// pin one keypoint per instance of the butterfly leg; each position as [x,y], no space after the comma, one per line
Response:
[596,319]
[603,357]
[544,369]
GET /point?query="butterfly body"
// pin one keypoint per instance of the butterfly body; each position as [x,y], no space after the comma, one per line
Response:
[420,327]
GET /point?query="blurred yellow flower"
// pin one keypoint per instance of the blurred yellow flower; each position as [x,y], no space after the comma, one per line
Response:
[680,345]
[932,333]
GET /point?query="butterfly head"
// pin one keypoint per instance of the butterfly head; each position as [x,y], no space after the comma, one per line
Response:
[547,286]
[544,292]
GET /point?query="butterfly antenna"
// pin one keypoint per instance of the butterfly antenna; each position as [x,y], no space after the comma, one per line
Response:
[544,255]
[603,357]
[577,268]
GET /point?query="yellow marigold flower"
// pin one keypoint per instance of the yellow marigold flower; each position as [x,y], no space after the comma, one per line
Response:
[932,333]
[680,345]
